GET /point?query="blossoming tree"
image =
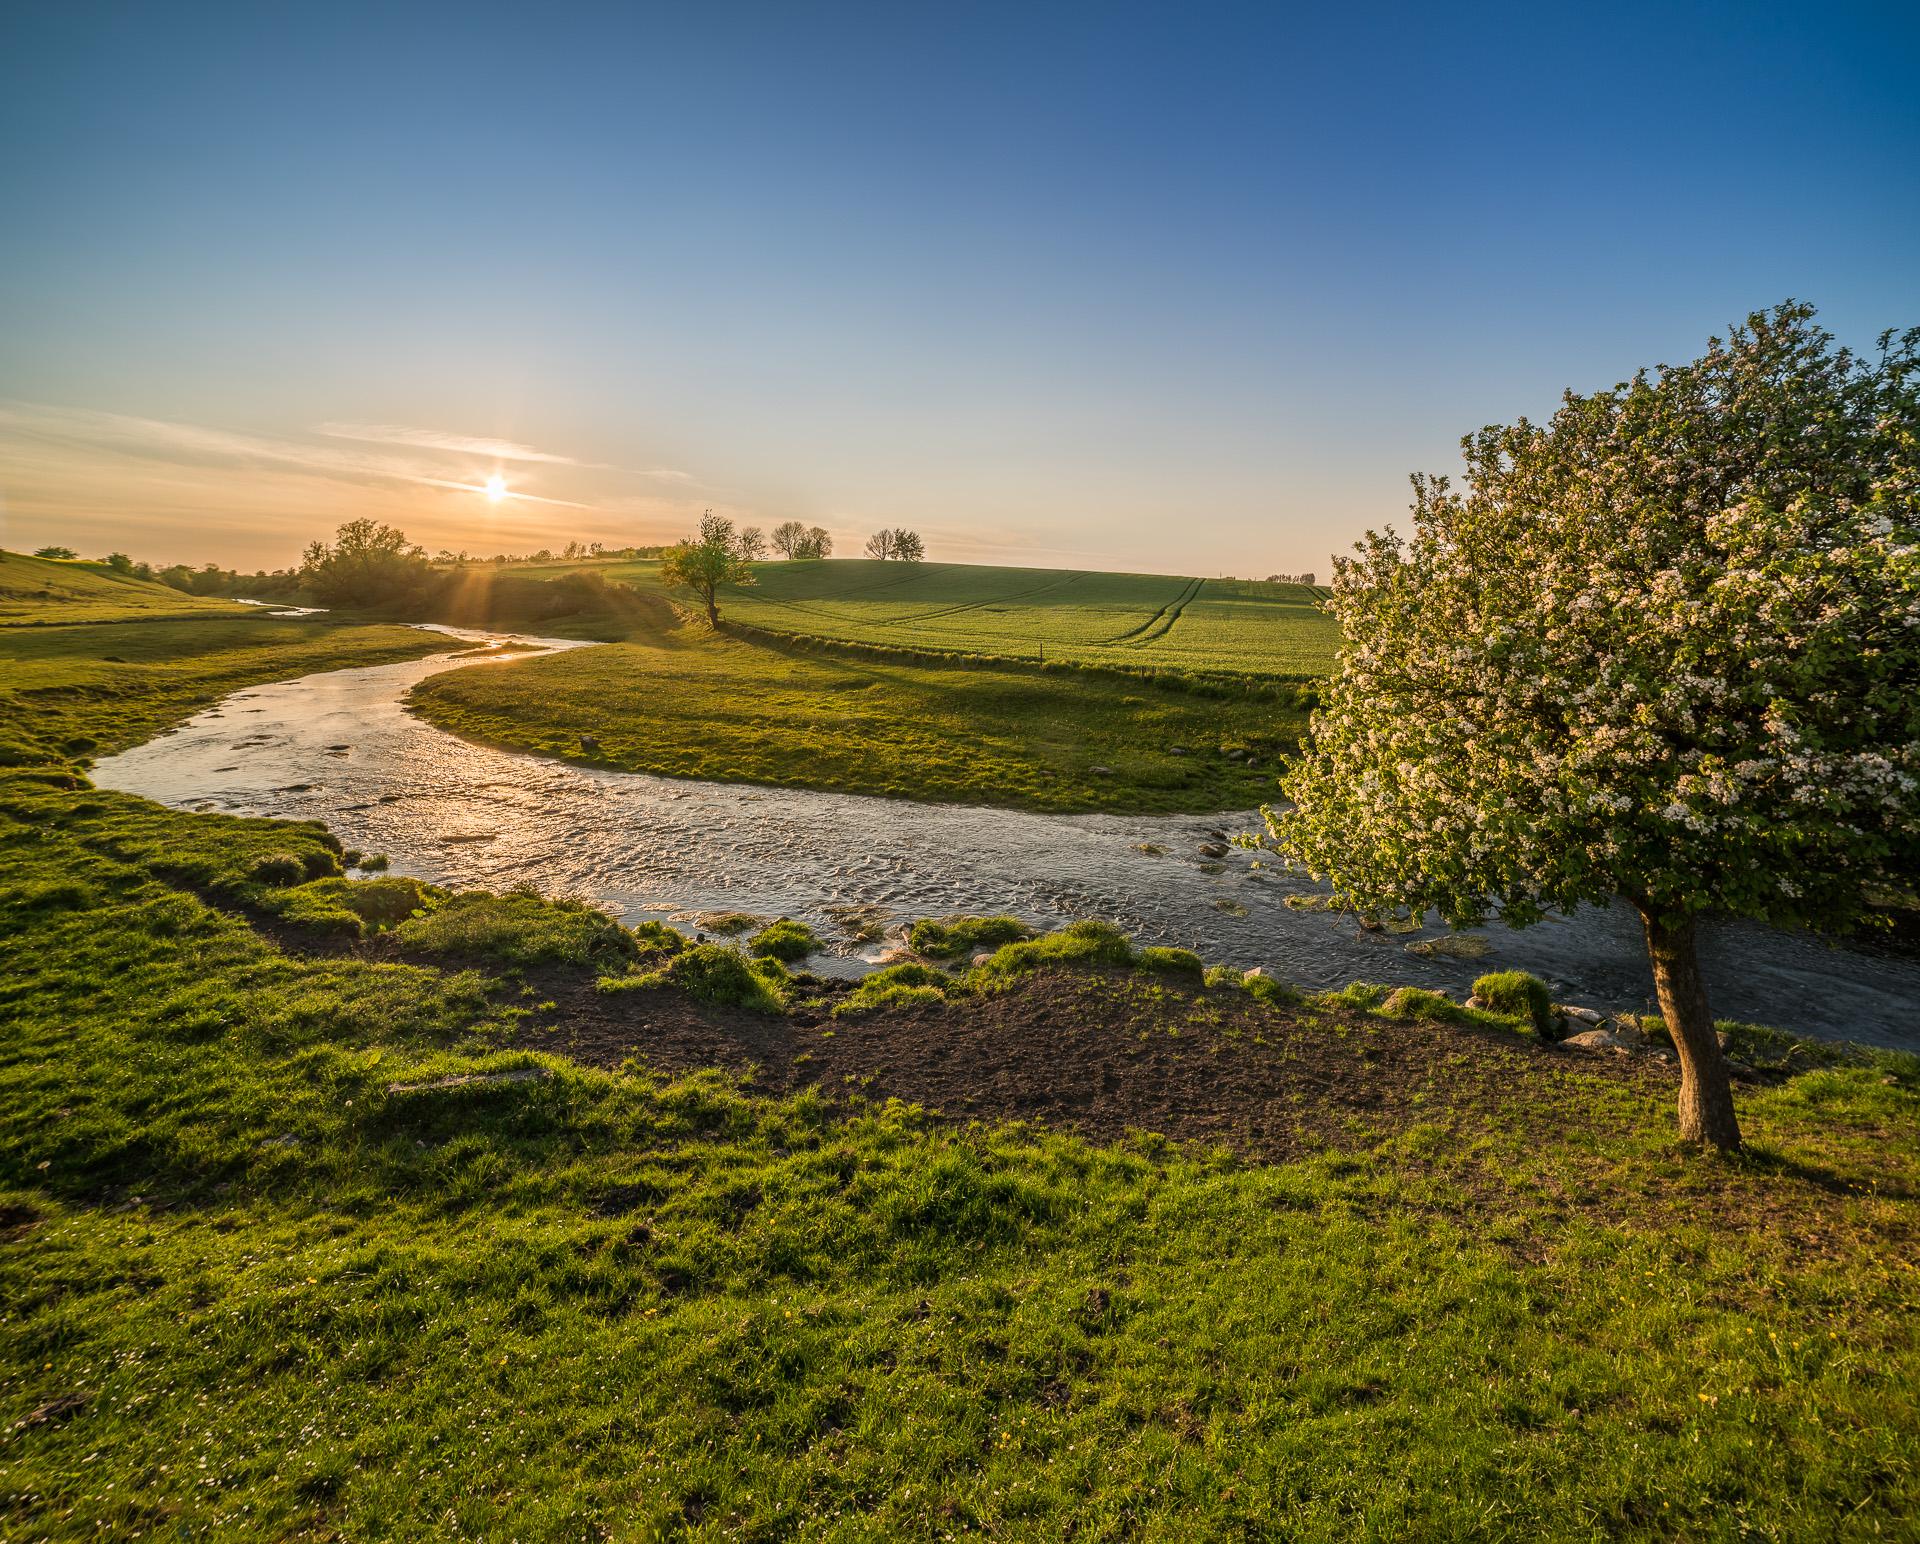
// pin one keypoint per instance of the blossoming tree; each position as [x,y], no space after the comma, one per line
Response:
[1665,647]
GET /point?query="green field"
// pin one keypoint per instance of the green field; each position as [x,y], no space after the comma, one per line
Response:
[679,701]
[1136,622]
[39,590]
[268,1269]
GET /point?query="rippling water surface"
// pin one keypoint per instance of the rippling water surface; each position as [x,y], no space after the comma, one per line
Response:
[340,747]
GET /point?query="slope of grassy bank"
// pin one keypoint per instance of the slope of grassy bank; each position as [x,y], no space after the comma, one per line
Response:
[43,590]
[681,702]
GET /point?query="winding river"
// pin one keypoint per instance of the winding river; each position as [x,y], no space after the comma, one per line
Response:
[341,747]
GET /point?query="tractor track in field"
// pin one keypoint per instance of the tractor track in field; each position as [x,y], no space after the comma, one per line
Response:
[1157,625]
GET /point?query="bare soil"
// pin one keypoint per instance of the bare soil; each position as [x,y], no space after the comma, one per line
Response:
[1104,1054]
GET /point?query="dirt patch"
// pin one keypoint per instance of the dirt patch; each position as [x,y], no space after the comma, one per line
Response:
[1101,1054]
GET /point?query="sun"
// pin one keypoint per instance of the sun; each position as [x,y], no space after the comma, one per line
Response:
[496,487]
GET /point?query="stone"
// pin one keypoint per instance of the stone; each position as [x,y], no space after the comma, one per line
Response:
[1581,1015]
[981,956]
[1214,849]
[1257,973]
[1176,750]
[1475,1001]
[1100,771]
[473,1080]
[1593,1040]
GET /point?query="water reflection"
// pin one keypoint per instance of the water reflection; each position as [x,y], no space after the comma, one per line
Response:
[341,748]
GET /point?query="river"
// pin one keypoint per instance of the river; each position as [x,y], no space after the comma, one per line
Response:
[340,747]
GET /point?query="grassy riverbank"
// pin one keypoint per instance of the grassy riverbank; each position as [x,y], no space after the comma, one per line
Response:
[269,1268]
[682,702]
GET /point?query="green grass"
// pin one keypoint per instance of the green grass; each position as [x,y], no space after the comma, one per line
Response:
[268,1271]
[1125,621]
[686,703]
[42,591]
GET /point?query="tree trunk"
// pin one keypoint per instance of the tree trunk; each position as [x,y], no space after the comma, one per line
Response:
[1706,1094]
[713,613]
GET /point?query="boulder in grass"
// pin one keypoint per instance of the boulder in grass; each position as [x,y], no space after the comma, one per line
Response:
[1593,1040]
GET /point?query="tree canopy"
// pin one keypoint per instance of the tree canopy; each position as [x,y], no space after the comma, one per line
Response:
[707,561]
[791,539]
[1665,646]
[369,564]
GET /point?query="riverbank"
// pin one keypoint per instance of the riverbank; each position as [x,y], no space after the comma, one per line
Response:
[305,1233]
[311,1224]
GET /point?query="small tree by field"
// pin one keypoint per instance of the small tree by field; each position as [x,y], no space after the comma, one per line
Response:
[880,544]
[753,543]
[369,564]
[62,553]
[1664,647]
[706,562]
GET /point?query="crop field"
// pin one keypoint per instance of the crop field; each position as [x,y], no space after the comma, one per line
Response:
[1141,621]
[1067,615]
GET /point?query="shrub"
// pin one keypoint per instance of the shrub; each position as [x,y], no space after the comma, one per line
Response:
[1519,995]
[785,940]
[945,937]
[1172,962]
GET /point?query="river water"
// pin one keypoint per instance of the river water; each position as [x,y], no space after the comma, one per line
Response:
[340,747]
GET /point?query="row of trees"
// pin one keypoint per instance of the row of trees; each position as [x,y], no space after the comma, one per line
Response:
[898,545]
[791,539]
[1291,579]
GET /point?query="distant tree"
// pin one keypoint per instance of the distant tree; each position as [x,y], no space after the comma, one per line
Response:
[707,561]
[819,543]
[1291,579]
[803,541]
[788,538]
[369,564]
[119,562]
[65,553]
[880,544]
[907,547]
[753,544]
[1665,647]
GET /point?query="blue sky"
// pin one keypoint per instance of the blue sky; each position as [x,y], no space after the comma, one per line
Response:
[1173,288]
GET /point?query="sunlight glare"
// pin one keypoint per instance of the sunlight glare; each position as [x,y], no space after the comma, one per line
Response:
[496,487]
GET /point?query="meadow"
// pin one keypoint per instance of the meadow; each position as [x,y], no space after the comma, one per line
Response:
[676,700]
[284,1254]
[44,590]
[1129,622]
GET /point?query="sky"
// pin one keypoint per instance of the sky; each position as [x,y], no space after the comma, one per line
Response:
[1179,288]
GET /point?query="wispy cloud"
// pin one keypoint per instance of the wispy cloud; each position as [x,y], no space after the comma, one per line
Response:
[484,446]
[438,439]
[198,445]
